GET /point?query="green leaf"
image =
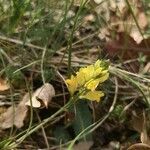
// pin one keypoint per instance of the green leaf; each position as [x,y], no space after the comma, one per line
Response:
[83,118]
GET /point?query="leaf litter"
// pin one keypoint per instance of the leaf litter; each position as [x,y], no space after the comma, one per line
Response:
[16,115]
[4,85]
[119,25]
[42,96]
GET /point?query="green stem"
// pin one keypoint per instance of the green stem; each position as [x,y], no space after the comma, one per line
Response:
[45,121]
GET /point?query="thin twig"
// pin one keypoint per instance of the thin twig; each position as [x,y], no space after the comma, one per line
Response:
[43,131]
[19,42]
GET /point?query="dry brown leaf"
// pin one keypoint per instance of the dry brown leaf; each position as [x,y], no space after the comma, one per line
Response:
[142,20]
[42,96]
[89,18]
[98,1]
[121,20]
[14,115]
[139,146]
[137,121]
[4,85]
[83,145]
[145,139]
[136,35]
[140,124]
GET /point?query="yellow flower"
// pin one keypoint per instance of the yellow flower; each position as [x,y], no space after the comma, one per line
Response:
[87,79]
[72,84]
[92,84]
[80,78]
[93,95]
[88,72]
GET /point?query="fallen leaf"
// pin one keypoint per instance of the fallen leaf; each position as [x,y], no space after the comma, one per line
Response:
[136,35]
[125,48]
[137,121]
[139,146]
[14,115]
[142,20]
[145,139]
[89,18]
[83,145]
[4,85]
[140,124]
[120,18]
[42,96]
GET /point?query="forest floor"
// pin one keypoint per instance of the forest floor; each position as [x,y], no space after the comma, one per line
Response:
[46,47]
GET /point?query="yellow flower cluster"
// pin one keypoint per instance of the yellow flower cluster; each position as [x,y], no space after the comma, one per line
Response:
[86,81]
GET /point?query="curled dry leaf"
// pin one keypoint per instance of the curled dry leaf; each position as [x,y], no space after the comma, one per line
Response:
[140,124]
[4,85]
[139,146]
[14,115]
[145,139]
[42,96]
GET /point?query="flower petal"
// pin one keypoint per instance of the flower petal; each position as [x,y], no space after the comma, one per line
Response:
[92,84]
[88,72]
[81,78]
[93,95]
[103,78]
[72,84]
[97,64]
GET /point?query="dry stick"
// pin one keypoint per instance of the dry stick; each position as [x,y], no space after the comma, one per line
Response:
[61,77]
[127,62]
[130,73]
[63,81]
[111,108]
[81,40]
[128,106]
[19,42]
[42,64]
[7,57]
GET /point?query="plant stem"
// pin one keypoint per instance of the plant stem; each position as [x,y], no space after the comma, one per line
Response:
[45,121]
